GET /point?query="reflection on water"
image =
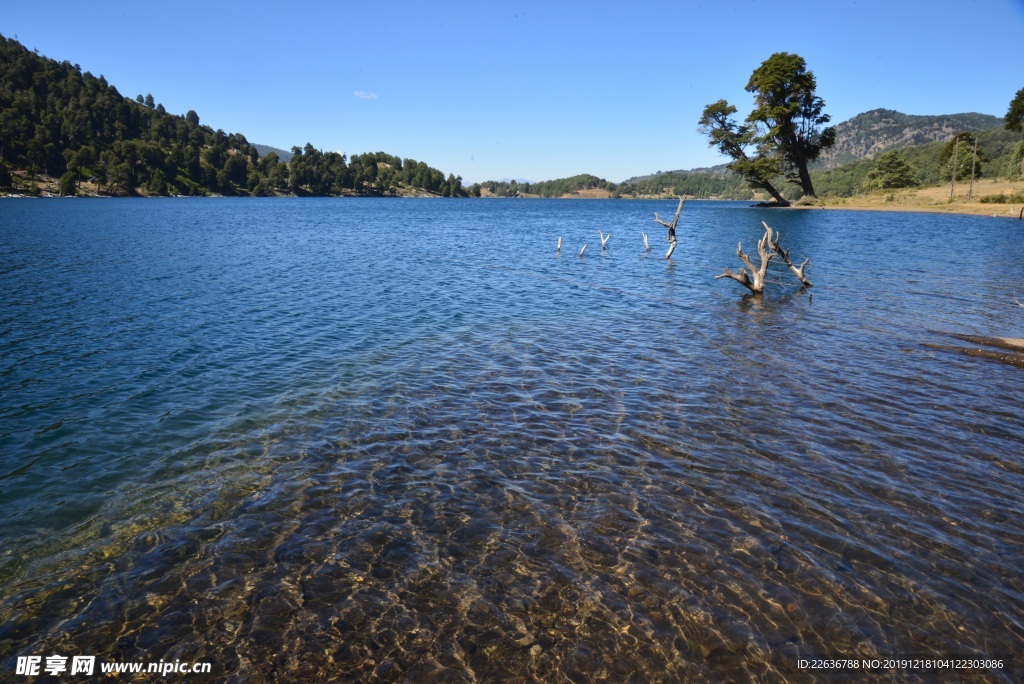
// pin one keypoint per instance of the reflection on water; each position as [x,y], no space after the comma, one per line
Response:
[489,463]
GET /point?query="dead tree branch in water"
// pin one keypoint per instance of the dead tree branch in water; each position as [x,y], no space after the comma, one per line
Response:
[754,281]
[671,228]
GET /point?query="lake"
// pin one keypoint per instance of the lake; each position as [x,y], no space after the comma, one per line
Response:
[405,440]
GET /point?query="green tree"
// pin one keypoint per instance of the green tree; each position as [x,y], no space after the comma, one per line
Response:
[962,152]
[158,183]
[1016,164]
[891,171]
[734,140]
[120,175]
[1015,114]
[237,169]
[1015,122]
[788,115]
[67,185]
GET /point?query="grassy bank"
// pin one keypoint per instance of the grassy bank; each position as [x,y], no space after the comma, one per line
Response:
[937,199]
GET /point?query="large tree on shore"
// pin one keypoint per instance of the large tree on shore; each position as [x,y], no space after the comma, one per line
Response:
[789,114]
[735,140]
[786,125]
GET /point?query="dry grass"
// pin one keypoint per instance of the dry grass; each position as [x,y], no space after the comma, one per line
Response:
[592,193]
[935,199]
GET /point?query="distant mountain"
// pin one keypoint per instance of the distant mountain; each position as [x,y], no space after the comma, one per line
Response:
[264,150]
[880,130]
[716,169]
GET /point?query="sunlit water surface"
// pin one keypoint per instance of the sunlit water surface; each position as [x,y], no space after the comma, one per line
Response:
[404,440]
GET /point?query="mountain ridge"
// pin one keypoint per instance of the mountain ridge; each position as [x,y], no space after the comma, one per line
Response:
[880,130]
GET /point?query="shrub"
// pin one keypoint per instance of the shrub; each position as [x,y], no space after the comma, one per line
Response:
[1003,198]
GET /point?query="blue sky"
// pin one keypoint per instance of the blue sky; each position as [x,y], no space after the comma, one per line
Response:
[535,90]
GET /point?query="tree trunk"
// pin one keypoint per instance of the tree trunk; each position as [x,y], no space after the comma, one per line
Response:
[974,162]
[805,180]
[952,183]
[801,169]
[783,202]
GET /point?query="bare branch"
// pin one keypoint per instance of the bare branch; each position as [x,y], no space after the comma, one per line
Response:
[647,245]
[604,239]
[559,248]
[671,226]
[585,245]
[671,229]
[742,278]
[754,281]
[799,271]
[745,258]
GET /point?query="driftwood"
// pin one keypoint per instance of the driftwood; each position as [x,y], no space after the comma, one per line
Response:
[558,250]
[784,254]
[671,228]
[585,245]
[647,245]
[754,281]
[604,240]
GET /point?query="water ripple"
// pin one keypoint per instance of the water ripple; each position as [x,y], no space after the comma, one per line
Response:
[250,433]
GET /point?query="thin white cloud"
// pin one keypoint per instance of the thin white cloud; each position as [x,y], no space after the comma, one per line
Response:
[363,95]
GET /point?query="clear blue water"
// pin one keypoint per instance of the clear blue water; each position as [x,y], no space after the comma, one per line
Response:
[404,440]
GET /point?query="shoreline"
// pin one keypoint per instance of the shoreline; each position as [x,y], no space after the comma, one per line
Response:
[961,210]
[932,200]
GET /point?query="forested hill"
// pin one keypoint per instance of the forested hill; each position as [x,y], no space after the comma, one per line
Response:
[57,121]
[881,130]
[583,185]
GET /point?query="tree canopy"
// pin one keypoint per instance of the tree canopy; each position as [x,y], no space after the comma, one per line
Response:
[789,115]
[891,171]
[963,152]
[1015,114]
